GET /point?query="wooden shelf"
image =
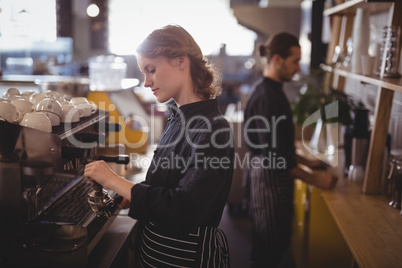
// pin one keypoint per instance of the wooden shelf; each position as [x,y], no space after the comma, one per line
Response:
[349,7]
[370,227]
[389,83]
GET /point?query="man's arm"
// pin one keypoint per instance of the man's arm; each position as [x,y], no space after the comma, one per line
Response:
[320,179]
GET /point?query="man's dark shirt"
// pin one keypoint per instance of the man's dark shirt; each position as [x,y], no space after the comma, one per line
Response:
[268,101]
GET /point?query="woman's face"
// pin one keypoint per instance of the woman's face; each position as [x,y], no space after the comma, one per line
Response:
[163,76]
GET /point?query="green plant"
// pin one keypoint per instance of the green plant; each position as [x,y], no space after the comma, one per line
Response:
[316,94]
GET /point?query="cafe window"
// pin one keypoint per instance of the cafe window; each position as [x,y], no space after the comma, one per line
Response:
[35,20]
[210,22]
[27,33]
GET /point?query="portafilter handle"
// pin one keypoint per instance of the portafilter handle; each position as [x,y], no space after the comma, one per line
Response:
[100,201]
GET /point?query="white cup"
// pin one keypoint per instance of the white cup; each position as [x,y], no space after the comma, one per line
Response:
[56,95]
[12,91]
[367,64]
[94,106]
[52,94]
[78,100]
[88,109]
[54,118]
[49,105]
[37,120]
[12,94]
[27,94]
[9,112]
[71,114]
[52,108]
[37,97]
[65,102]
[23,106]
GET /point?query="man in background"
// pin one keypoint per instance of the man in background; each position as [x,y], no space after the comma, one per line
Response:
[269,134]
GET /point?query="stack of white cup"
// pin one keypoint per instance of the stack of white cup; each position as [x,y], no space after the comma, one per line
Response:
[43,110]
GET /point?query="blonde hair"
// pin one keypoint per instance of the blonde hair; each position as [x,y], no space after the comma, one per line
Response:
[174,41]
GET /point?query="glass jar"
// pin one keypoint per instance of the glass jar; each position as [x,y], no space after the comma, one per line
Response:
[395,177]
[106,72]
[387,62]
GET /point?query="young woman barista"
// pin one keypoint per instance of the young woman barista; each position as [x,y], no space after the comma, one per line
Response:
[180,203]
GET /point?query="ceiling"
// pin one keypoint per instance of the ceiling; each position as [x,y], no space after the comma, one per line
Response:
[269,20]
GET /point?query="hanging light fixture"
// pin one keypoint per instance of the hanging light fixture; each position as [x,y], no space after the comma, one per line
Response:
[93,10]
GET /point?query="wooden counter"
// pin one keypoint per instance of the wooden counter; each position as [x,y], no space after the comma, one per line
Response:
[371,228]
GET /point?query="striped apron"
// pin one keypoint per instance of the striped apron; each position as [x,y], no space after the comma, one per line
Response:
[271,205]
[206,247]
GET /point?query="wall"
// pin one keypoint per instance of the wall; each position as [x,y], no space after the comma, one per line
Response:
[81,32]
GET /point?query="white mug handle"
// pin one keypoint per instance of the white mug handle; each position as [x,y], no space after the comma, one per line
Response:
[81,112]
[18,116]
[93,107]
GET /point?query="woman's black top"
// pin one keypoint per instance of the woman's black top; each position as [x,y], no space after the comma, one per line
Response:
[269,125]
[189,178]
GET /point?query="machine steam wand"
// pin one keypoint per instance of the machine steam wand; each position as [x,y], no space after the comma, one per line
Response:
[100,201]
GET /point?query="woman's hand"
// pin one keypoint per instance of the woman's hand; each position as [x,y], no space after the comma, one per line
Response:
[100,172]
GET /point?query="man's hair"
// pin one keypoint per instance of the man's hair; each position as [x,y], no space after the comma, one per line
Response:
[280,44]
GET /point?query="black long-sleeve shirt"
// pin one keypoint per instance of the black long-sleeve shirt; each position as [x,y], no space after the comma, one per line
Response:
[269,125]
[188,181]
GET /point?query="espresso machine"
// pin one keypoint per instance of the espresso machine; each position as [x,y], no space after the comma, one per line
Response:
[50,215]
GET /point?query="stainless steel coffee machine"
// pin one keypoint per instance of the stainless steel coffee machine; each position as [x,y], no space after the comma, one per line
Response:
[45,217]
